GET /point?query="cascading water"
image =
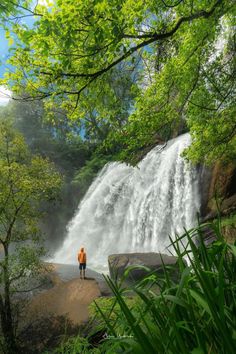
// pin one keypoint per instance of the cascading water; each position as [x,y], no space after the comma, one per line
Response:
[135,209]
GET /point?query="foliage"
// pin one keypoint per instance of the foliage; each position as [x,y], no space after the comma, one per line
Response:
[76,345]
[61,144]
[171,50]
[59,141]
[194,316]
[108,307]
[11,10]
[229,220]
[8,6]
[194,90]
[106,108]
[84,177]
[25,180]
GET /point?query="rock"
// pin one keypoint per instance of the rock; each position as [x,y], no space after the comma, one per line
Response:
[118,263]
[205,174]
[220,181]
[70,298]
[229,232]
[207,235]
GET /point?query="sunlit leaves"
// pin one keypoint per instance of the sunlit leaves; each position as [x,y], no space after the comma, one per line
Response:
[70,55]
[24,182]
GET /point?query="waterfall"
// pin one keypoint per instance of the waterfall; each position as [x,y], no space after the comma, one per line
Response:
[135,209]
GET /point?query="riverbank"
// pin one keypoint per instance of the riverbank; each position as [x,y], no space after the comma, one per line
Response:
[70,299]
[59,310]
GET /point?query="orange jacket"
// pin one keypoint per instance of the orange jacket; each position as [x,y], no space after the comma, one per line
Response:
[82,256]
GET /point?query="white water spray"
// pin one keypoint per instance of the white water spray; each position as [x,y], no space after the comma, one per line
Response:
[135,209]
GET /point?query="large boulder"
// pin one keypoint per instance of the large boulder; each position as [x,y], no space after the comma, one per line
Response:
[118,263]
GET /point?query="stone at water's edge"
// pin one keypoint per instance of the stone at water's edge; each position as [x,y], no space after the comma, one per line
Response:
[118,263]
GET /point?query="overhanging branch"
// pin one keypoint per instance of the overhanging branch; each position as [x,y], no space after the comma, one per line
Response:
[148,38]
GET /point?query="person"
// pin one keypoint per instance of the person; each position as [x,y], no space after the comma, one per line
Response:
[82,262]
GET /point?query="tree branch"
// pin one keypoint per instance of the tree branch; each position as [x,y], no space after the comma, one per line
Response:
[148,38]
[25,8]
[151,37]
[173,5]
[23,16]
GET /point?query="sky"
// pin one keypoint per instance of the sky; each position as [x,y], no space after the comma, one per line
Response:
[4,53]
[4,93]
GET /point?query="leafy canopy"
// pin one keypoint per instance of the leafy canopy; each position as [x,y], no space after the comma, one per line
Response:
[70,55]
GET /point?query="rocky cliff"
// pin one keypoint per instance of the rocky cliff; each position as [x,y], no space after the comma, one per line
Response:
[218,186]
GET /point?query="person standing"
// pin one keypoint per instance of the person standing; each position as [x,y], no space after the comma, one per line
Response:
[82,262]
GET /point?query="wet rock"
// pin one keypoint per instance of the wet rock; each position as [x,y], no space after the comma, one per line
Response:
[218,190]
[118,263]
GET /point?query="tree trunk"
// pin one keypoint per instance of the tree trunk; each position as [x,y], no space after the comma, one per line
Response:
[6,312]
[10,346]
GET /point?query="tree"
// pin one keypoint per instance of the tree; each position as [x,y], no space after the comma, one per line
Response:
[87,39]
[25,181]
[11,10]
[107,107]
[60,142]
[194,90]
[75,47]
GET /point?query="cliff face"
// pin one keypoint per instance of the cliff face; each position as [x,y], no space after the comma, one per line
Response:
[218,190]
[229,232]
